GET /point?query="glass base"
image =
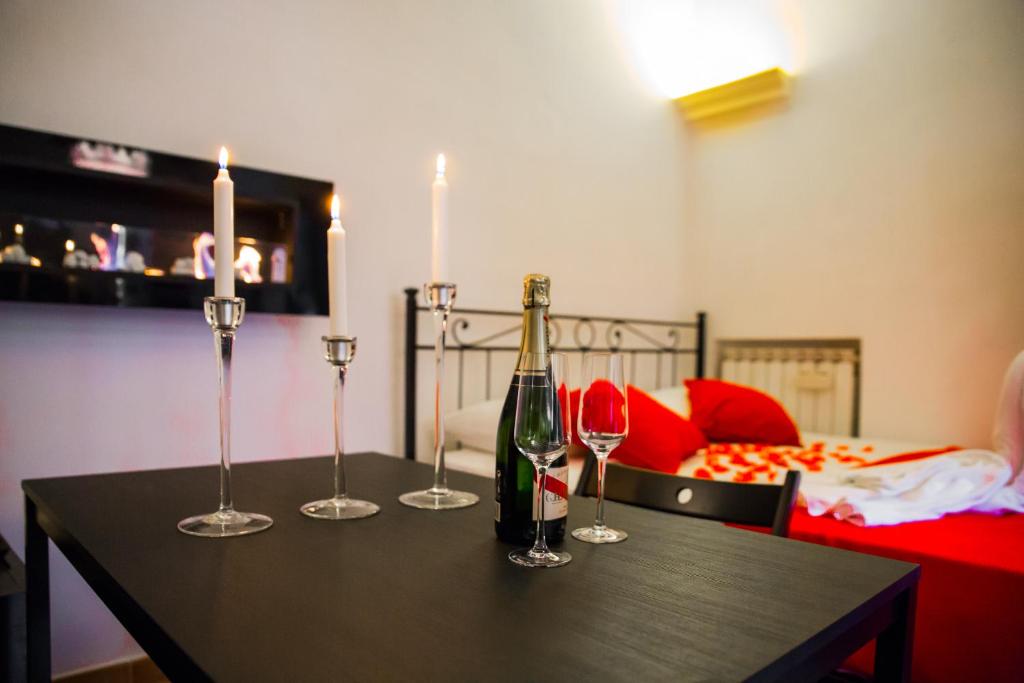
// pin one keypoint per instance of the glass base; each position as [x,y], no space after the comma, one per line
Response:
[222,524]
[593,534]
[528,557]
[439,499]
[340,508]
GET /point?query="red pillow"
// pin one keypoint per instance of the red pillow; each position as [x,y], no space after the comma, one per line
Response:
[659,438]
[731,413]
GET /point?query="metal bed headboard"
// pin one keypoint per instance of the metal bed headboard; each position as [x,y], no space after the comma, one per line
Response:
[660,340]
[817,380]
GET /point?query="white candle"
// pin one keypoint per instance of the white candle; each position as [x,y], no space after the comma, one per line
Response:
[439,224]
[336,290]
[224,230]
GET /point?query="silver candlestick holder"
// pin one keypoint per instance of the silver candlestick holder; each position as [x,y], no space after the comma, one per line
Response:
[224,314]
[339,352]
[440,296]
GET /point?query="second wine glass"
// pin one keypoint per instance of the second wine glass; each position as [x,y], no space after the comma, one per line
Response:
[603,425]
[542,431]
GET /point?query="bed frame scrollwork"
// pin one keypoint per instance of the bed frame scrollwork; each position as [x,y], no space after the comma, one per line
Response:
[653,348]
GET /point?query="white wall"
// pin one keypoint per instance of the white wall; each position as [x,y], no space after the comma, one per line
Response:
[885,202]
[555,152]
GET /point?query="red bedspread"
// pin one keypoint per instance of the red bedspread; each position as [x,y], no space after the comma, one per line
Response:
[970,609]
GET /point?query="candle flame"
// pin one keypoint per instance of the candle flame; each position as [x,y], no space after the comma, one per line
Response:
[19,229]
[69,246]
[440,165]
[223,157]
[114,227]
[335,207]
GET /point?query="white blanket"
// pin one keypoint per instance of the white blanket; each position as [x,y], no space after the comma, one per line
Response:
[907,491]
[984,481]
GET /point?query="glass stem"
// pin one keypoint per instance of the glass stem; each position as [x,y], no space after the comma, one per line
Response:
[340,488]
[602,460]
[440,330]
[223,341]
[540,543]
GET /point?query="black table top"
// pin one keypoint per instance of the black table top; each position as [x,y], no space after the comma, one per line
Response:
[417,595]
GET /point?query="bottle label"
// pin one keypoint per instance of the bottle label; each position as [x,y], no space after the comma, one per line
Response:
[556,495]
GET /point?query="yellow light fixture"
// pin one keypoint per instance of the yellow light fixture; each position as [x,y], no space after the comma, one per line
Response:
[760,88]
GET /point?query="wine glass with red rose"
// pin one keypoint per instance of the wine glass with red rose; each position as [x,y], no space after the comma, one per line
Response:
[603,424]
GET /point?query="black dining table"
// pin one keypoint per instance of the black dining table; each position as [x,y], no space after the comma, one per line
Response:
[420,595]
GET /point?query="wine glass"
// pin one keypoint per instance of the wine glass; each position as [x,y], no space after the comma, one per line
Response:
[603,424]
[542,432]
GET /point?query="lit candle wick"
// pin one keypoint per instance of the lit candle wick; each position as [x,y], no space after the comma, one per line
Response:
[439,223]
[337,323]
[223,230]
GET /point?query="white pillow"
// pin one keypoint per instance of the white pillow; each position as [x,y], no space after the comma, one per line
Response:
[472,461]
[676,399]
[1009,430]
[475,426]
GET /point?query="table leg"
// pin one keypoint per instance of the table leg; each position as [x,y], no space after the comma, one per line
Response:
[895,644]
[37,595]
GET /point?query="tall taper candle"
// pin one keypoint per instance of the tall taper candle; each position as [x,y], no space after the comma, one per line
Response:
[224,230]
[439,224]
[336,289]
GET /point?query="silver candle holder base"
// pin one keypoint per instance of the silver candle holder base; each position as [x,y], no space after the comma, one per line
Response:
[224,314]
[440,296]
[339,352]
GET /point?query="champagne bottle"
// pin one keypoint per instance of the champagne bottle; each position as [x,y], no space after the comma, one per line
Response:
[515,519]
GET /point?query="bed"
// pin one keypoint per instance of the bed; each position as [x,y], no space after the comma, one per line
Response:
[971,598]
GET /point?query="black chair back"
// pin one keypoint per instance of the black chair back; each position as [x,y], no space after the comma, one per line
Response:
[764,505]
